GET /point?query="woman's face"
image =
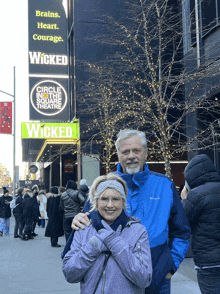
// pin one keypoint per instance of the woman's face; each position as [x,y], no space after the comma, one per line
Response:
[110,205]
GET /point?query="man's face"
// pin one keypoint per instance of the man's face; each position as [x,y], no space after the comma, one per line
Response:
[132,155]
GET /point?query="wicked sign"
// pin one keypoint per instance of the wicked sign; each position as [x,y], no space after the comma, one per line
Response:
[48,61]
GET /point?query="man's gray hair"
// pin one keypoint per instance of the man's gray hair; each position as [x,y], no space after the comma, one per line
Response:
[127,133]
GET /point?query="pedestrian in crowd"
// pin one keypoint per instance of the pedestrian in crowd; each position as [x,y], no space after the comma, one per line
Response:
[54,228]
[61,190]
[42,199]
[201,201]
[36,209]
[71,202]
[28,205]
[113,254]
[154,199]
[18,214]
[5,212]
[84,190]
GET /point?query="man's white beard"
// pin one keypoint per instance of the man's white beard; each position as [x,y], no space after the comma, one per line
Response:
[132,171]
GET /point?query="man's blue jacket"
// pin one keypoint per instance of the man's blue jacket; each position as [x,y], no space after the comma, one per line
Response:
[154,199]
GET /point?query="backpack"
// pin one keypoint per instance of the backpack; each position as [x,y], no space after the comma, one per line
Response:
[12,204]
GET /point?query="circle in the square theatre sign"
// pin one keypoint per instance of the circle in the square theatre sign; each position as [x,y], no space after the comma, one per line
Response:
[48,97]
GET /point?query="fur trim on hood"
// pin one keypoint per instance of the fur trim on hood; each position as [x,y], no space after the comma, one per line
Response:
[35,187]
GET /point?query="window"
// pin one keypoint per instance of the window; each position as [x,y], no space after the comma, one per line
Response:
[210,15]
[193,21]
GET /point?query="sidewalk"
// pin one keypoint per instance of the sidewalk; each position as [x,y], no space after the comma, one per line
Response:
[33,266]
[184,281]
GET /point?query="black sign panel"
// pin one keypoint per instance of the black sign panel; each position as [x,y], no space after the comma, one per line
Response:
[48,99]
[48,60]
[47,37]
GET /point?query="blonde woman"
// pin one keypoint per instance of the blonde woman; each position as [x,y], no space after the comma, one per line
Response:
[112,255]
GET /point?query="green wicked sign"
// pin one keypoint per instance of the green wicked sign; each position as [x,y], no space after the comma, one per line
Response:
[63,131]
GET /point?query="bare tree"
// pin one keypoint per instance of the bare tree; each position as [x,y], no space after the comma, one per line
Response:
[142,85]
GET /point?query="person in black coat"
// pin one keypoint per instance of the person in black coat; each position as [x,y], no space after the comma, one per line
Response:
[54,228]
[201,201]
[28,212]
[5,212]
[36,209]
[18,214]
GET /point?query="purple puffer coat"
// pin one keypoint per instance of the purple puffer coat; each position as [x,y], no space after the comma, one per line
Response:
[128,270]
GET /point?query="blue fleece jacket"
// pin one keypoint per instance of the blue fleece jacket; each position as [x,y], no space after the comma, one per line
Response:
[154,199]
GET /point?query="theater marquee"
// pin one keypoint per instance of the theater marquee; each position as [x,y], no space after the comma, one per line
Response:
[48,60]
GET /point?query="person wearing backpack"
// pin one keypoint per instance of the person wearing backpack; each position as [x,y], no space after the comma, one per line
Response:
[18,214]
[71,202]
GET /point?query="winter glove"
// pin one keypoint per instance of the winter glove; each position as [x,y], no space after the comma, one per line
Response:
[97,244]
[106,235]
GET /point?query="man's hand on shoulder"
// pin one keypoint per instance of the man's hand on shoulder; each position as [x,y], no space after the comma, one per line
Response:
[168,276]
[80,220]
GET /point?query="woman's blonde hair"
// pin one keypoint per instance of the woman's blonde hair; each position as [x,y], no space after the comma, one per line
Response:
[93,196]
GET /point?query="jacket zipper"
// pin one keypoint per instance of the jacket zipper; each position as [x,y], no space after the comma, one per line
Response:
[139,251]
[103,285]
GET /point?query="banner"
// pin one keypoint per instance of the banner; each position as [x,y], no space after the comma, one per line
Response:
[6,117]
[62,131]
[48,60]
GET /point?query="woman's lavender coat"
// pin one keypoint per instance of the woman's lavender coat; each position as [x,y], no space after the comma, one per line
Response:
[128,269]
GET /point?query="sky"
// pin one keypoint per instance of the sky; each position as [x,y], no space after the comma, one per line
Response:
[14,52]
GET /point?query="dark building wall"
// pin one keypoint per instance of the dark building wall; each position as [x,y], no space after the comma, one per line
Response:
[209,44]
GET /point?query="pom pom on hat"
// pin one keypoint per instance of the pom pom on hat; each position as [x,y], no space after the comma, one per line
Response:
[83,182]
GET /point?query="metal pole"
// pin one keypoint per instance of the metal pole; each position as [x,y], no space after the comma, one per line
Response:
[61,184]
[197,32]
[78,161]
[50,176]
[14,149]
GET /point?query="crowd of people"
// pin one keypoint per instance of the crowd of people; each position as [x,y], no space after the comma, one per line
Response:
[31,206]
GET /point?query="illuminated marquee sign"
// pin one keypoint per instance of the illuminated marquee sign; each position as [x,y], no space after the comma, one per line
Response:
[50,131]
[48,61]
[47,37]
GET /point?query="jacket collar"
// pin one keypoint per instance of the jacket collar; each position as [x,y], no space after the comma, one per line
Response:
[137,178]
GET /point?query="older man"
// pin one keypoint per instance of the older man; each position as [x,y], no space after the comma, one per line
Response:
[154,199]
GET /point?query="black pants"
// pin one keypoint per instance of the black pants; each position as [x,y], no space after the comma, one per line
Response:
[209,280]
[34,225]
[19,225]
[53,239]
[67,227]
[28,226]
